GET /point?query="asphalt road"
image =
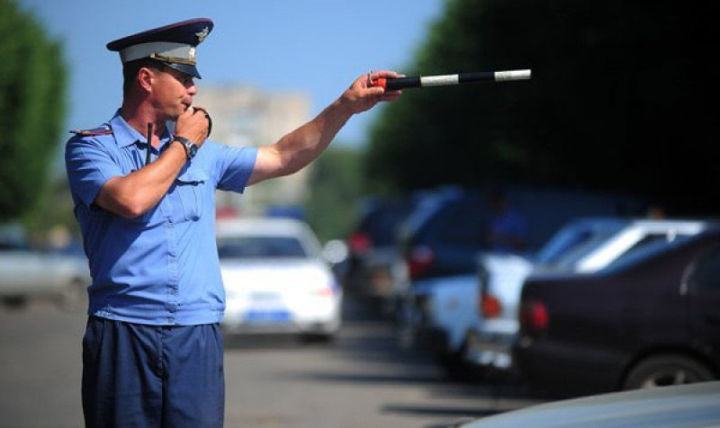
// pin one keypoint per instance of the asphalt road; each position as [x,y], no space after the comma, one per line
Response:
[363,379]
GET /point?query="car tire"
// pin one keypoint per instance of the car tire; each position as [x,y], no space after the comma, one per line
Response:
[667,369]
[453,365]
[15,302]
[458,368]
[319,338]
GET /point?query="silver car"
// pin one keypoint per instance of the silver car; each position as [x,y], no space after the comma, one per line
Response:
[694,405]
[27,273]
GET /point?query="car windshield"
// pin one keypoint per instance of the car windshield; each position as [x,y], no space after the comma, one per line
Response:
[575,242]
[254,247]
[381,222]
[647,247]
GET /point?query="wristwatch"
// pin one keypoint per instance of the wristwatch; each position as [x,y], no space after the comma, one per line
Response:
[190,147]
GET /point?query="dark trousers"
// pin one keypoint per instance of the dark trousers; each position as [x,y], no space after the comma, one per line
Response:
[152,376]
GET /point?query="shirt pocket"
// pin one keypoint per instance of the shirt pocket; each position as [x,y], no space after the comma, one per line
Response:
[190,188]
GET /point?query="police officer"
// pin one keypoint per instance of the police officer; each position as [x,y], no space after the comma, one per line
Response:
[144,198]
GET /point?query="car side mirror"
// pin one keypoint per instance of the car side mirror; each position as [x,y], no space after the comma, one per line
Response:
[335,251]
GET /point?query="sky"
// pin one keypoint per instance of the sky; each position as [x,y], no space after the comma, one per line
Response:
[317,47]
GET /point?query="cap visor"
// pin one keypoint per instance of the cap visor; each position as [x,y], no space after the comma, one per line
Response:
[185,68]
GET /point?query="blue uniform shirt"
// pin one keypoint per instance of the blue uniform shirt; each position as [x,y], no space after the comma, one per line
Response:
[162,267]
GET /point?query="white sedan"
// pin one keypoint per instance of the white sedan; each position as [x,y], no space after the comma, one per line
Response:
[276,280]
[32,273]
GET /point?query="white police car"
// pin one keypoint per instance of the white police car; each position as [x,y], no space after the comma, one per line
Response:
[276,280]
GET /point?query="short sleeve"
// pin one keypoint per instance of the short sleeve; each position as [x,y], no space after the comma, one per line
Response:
[89,166]
[234,165]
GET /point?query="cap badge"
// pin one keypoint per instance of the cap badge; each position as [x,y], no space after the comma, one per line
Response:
[191,54]
[202,34]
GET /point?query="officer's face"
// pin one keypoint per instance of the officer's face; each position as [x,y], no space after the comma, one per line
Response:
[174,91]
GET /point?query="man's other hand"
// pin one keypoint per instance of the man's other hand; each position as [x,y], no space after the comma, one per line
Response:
[193,125]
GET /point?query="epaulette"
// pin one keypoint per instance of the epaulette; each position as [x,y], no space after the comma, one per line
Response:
[100,130]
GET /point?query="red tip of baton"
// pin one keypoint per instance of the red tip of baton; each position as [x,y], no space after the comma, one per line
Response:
[379,82]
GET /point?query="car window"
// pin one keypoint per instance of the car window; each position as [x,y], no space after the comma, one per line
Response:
[464,224]
[647,247]
[706,274]
[561,245]
[420,216]
[381,223]
[574,242]
[243,247]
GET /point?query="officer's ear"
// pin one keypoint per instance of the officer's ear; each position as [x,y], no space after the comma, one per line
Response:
[145,78]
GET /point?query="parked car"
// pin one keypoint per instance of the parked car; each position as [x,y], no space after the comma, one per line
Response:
[672,406]
[442,238]
[27,272]
[652,317]
[276,280]
[441,312]
[447,229]
[482,338]
[582,246]
[449,315]
[373,270]
[488,340]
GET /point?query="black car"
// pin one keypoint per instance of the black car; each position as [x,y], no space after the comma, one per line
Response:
[650,319]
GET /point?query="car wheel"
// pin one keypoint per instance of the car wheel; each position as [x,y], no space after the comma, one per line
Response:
[453,365]
[323,338]
[663,370]
[458,368]
[14,302]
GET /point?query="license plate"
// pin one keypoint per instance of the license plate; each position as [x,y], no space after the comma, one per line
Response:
[262,297]
[260,317]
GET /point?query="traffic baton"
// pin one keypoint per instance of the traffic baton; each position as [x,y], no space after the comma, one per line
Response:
[392,84]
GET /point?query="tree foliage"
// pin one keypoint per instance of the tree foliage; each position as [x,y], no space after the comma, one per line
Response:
[32,105]
[618,101]
[334,188]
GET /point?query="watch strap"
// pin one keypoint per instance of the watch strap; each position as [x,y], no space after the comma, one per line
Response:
[187,145]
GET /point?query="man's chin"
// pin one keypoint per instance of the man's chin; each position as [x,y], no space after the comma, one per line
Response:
[174,116]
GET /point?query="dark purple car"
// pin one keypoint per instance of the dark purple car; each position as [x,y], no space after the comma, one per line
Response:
[650,319]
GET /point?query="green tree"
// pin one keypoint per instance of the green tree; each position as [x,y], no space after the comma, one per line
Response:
[32,106]
[616,102]
[334,189]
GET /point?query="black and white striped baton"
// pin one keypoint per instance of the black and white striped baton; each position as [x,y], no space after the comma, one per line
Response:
[391,84]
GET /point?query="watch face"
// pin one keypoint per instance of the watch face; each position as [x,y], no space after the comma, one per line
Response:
[192,149]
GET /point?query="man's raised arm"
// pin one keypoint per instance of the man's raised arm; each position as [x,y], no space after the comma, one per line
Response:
[303,145]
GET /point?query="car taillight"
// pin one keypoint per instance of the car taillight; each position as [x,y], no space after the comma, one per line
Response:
[359,243]
[534,315]
[490,306]
[419,261]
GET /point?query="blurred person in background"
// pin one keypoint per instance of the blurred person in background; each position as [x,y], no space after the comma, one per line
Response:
[508,229]
[655,211]
[144,198]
